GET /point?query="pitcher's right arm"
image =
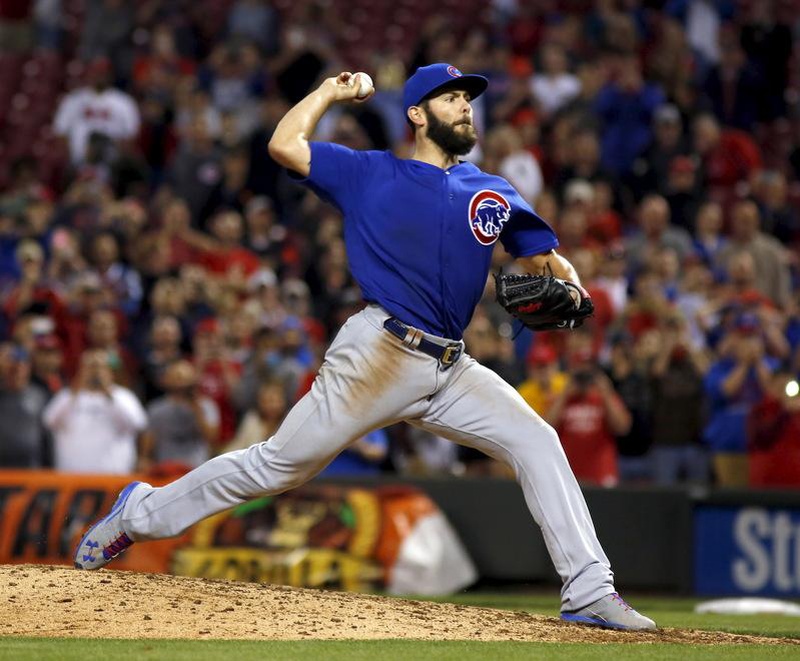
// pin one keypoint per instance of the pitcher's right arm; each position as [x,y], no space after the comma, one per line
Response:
[289,143]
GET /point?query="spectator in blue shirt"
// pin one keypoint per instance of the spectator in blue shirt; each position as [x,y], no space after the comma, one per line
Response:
[627,106]
[733,385]
[363,457]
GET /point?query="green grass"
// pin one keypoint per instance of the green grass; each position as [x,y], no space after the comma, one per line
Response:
[668,612]
[26,649]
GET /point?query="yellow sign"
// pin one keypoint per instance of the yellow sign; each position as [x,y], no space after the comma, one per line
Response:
[300,567]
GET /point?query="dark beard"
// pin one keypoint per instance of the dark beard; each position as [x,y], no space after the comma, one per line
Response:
[448,139]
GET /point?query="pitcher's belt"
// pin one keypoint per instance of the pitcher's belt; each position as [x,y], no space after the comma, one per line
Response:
[447,354]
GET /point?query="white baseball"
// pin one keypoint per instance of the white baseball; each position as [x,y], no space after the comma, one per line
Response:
[366,83]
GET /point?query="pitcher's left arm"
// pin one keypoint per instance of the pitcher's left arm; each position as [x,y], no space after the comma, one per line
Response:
[550,263]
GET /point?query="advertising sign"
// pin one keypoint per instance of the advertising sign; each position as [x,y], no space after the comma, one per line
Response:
[345,537]
[747,551]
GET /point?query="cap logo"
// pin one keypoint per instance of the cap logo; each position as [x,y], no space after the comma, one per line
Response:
[455,73]
[488,212]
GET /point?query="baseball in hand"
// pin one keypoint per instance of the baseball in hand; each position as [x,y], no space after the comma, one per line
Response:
[366,84]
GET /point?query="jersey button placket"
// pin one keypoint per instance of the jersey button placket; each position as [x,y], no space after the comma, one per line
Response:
[445,211]
[446,237]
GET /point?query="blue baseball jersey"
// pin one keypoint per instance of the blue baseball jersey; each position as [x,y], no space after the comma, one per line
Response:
[420,238]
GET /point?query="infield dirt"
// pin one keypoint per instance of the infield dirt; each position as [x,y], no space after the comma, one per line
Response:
[37,600]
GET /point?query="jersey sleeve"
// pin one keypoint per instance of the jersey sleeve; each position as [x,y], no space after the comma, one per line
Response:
[526,233]
[338,174]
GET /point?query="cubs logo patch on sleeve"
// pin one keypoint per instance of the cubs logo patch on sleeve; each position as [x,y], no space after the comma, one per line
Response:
[488,212]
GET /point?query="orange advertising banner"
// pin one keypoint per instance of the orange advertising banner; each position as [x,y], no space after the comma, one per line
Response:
[320,535]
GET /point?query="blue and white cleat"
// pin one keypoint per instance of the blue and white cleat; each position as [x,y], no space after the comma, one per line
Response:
[105,539]
[611,612]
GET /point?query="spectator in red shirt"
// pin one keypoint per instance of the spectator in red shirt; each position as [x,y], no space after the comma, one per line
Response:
[774,435]
[572,230]
[176,232]
[729,156]
[218,374]
[86,296]
[588,415]
[33,291]
[223,254]
[646,307]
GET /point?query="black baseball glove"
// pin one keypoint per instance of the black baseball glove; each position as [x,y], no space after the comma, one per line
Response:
[543,302]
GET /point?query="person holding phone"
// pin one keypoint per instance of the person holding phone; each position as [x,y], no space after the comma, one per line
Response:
[588,414]
[95,422]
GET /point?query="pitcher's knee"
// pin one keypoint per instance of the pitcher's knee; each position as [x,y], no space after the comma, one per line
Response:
[273,478]
[276,475]
[286,478]
[545,438]
[553,440]
[550,435]
[532,437]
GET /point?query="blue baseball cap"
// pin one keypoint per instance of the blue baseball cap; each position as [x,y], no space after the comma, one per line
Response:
[435,76]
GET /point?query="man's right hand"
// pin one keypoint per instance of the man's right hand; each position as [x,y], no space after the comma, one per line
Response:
[339,88]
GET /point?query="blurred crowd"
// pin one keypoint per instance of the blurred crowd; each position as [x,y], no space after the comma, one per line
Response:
[168,293]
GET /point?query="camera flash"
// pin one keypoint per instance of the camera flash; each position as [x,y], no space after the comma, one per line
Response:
[792,389]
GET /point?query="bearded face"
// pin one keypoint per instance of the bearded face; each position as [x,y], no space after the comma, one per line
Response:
[453,138]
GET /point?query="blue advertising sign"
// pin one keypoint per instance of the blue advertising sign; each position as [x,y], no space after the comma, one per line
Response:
[747,551]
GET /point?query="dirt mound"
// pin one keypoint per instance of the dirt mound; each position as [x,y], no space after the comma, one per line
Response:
[58,601]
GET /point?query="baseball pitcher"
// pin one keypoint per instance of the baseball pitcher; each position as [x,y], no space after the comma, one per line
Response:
[419,234]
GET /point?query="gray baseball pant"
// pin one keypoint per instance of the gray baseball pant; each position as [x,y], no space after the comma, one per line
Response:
[370,379]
